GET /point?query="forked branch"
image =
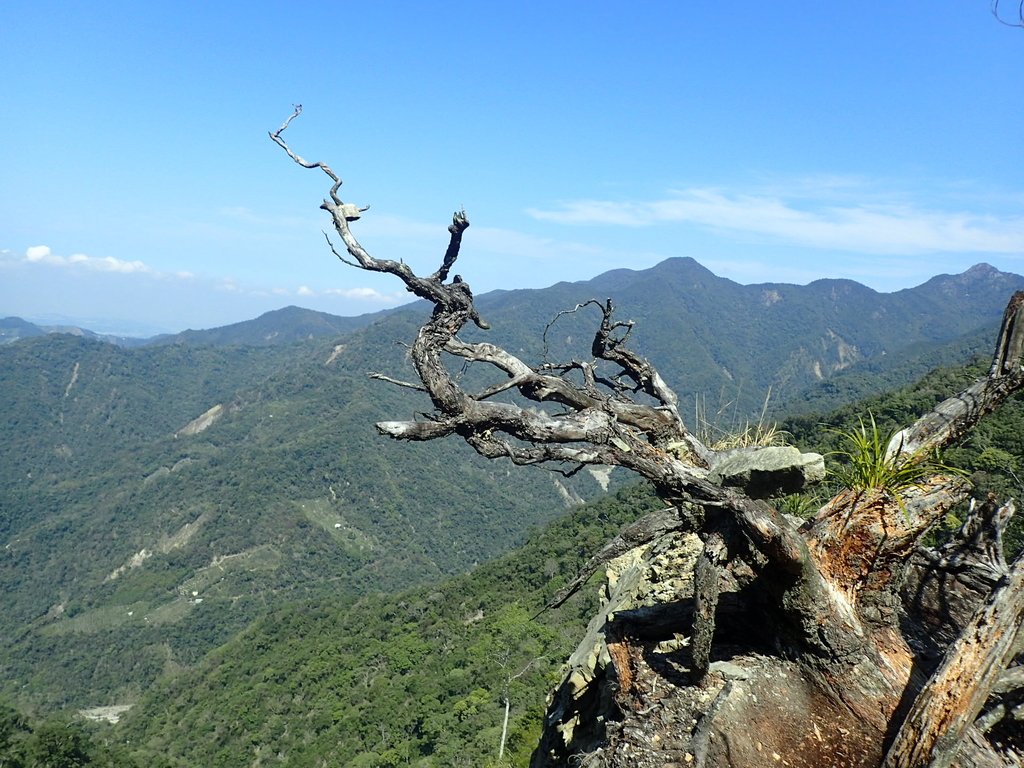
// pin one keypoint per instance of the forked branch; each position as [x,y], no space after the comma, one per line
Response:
[455,296]
[595,423]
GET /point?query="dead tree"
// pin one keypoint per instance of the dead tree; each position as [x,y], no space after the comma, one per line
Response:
[841,641]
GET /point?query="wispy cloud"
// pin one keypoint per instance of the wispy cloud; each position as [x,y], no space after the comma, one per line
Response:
[509,242]
[431,237]
[872,225]
[368,294]
[41,254]
[363,295]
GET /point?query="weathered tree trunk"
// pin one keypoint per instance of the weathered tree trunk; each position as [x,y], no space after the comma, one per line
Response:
[733,636]
[646,704]
[946,707]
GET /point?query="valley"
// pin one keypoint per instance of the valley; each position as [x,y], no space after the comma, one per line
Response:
[165,501]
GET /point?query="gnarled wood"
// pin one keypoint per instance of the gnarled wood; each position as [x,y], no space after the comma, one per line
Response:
[954,696]
[706,584]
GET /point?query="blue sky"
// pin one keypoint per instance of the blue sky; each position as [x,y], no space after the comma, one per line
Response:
[782,142]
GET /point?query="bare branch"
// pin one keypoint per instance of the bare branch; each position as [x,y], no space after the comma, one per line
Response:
[497,389]
[456,228]
[1011,679]
[706,578]
[415,430]
[561,314]
[335,252]
[276,137]
[1011,338]
[648,528]
[808,581]
[1018,22]
[607,347]
[398,382]
[430,288]
[979,542]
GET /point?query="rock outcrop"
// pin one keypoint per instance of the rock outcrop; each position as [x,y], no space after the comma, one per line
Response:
[764,472]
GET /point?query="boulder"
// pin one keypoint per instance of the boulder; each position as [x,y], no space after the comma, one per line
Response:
[765,472]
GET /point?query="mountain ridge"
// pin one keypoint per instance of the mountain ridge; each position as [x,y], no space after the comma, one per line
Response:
[288,492]
[292,323]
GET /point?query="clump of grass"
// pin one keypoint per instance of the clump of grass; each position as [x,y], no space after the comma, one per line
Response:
[799,505]
[752,434]
[749,434]
[868,465]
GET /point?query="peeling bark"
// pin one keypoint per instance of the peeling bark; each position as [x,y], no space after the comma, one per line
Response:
[706,581]
[955,694]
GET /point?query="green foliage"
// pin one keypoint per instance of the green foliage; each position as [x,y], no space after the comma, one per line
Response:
[989,456]
[60,743]
[868,464]
[287,496]
[265,533]
[417,678]
[793,340]
[802,505]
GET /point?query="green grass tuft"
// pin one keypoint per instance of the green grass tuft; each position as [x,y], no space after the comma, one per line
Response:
[867,464]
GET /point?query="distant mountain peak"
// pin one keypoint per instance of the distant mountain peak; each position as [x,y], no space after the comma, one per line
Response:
[982,269]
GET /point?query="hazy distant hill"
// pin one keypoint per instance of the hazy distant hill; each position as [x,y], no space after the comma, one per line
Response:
[275,328]
[281,326]
[154,500]
[15,329]
[716,340]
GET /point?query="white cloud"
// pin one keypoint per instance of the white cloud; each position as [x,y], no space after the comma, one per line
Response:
[875,226]
[368,294]
[37,252]
[362,294]
[110,264]
[41,254]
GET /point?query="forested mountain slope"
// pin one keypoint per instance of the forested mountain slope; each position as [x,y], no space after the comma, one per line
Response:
[417,678]
[421,677]
[138,535]
[729,344]
[155,500]
[279,327]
